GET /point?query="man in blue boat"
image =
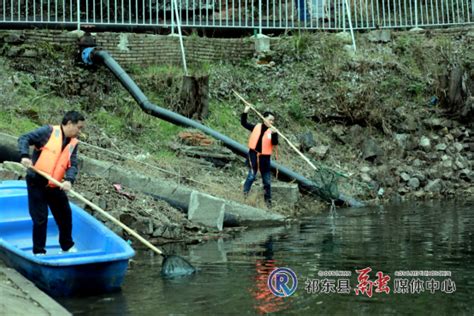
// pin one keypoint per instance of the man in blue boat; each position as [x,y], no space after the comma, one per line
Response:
[261,142]
[55,152]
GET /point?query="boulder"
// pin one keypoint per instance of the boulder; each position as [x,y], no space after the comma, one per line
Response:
[434,186]
[418,163]
[370,150]
[458,146]
[414,183]
[306,141]
[401,139]
[424,143]
[466,175]
[441,147]
[365,177]
[319,151]
[405,176]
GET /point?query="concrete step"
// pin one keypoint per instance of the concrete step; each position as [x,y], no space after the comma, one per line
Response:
[200,204]
[206,210]
[19,296]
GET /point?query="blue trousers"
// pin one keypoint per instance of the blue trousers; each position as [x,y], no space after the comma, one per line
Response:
[261,163]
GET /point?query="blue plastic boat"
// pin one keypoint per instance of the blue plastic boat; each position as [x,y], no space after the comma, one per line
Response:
[98,266]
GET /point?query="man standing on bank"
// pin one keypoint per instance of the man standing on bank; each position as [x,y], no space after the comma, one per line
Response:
[261,142]
[55,153]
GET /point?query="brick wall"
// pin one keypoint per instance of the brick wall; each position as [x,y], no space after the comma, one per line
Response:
[144,49]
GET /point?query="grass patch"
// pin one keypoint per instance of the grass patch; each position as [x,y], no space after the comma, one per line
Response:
[112,124]
[162,131]
[225,119]
[165,156]
[155,70]
[15,125]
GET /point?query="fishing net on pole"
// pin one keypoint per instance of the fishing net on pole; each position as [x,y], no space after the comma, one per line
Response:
[176,266]
[326,181]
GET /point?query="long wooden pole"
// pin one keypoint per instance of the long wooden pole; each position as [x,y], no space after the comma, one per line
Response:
[283,136]
[98,209]
[276,130]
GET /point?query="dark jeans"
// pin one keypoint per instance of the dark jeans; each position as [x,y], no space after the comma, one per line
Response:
[39,198]
[263,163]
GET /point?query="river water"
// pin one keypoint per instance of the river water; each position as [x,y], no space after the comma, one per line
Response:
[405,259]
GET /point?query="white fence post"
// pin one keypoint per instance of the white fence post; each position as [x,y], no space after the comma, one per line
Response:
[350,25]
[78,15]
[416,13]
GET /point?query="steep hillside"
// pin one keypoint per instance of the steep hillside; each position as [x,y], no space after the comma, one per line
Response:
[391,121]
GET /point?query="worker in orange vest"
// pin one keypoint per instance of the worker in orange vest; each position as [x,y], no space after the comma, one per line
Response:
[55,152]
[261,142]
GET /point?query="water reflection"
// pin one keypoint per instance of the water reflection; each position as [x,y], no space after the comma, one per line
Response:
[265,301]
[232,277]
[113,303]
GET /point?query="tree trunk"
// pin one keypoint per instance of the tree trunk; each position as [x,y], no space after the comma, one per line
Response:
[195,97]
[454,92]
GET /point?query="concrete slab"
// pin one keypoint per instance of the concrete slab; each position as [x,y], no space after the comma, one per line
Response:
[206,210]
[282,192]
[167,190]
[19,296]
[95,167]
[251,216]
[285,193]
[180,196]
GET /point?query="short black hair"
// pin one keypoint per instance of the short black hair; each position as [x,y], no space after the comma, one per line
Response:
[268,113]
[72,116]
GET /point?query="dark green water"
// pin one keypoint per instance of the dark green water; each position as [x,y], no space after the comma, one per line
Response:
[232,277]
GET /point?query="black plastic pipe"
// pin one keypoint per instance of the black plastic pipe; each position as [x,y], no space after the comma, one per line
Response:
[9,153]
[98,55]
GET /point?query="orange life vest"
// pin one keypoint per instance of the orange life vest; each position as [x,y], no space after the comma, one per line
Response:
[52,160]
[267,146]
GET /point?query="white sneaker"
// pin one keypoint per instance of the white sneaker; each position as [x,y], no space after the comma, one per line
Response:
[39,254]
[73,249]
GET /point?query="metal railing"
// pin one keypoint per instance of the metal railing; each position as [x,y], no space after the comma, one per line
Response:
[253,14]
